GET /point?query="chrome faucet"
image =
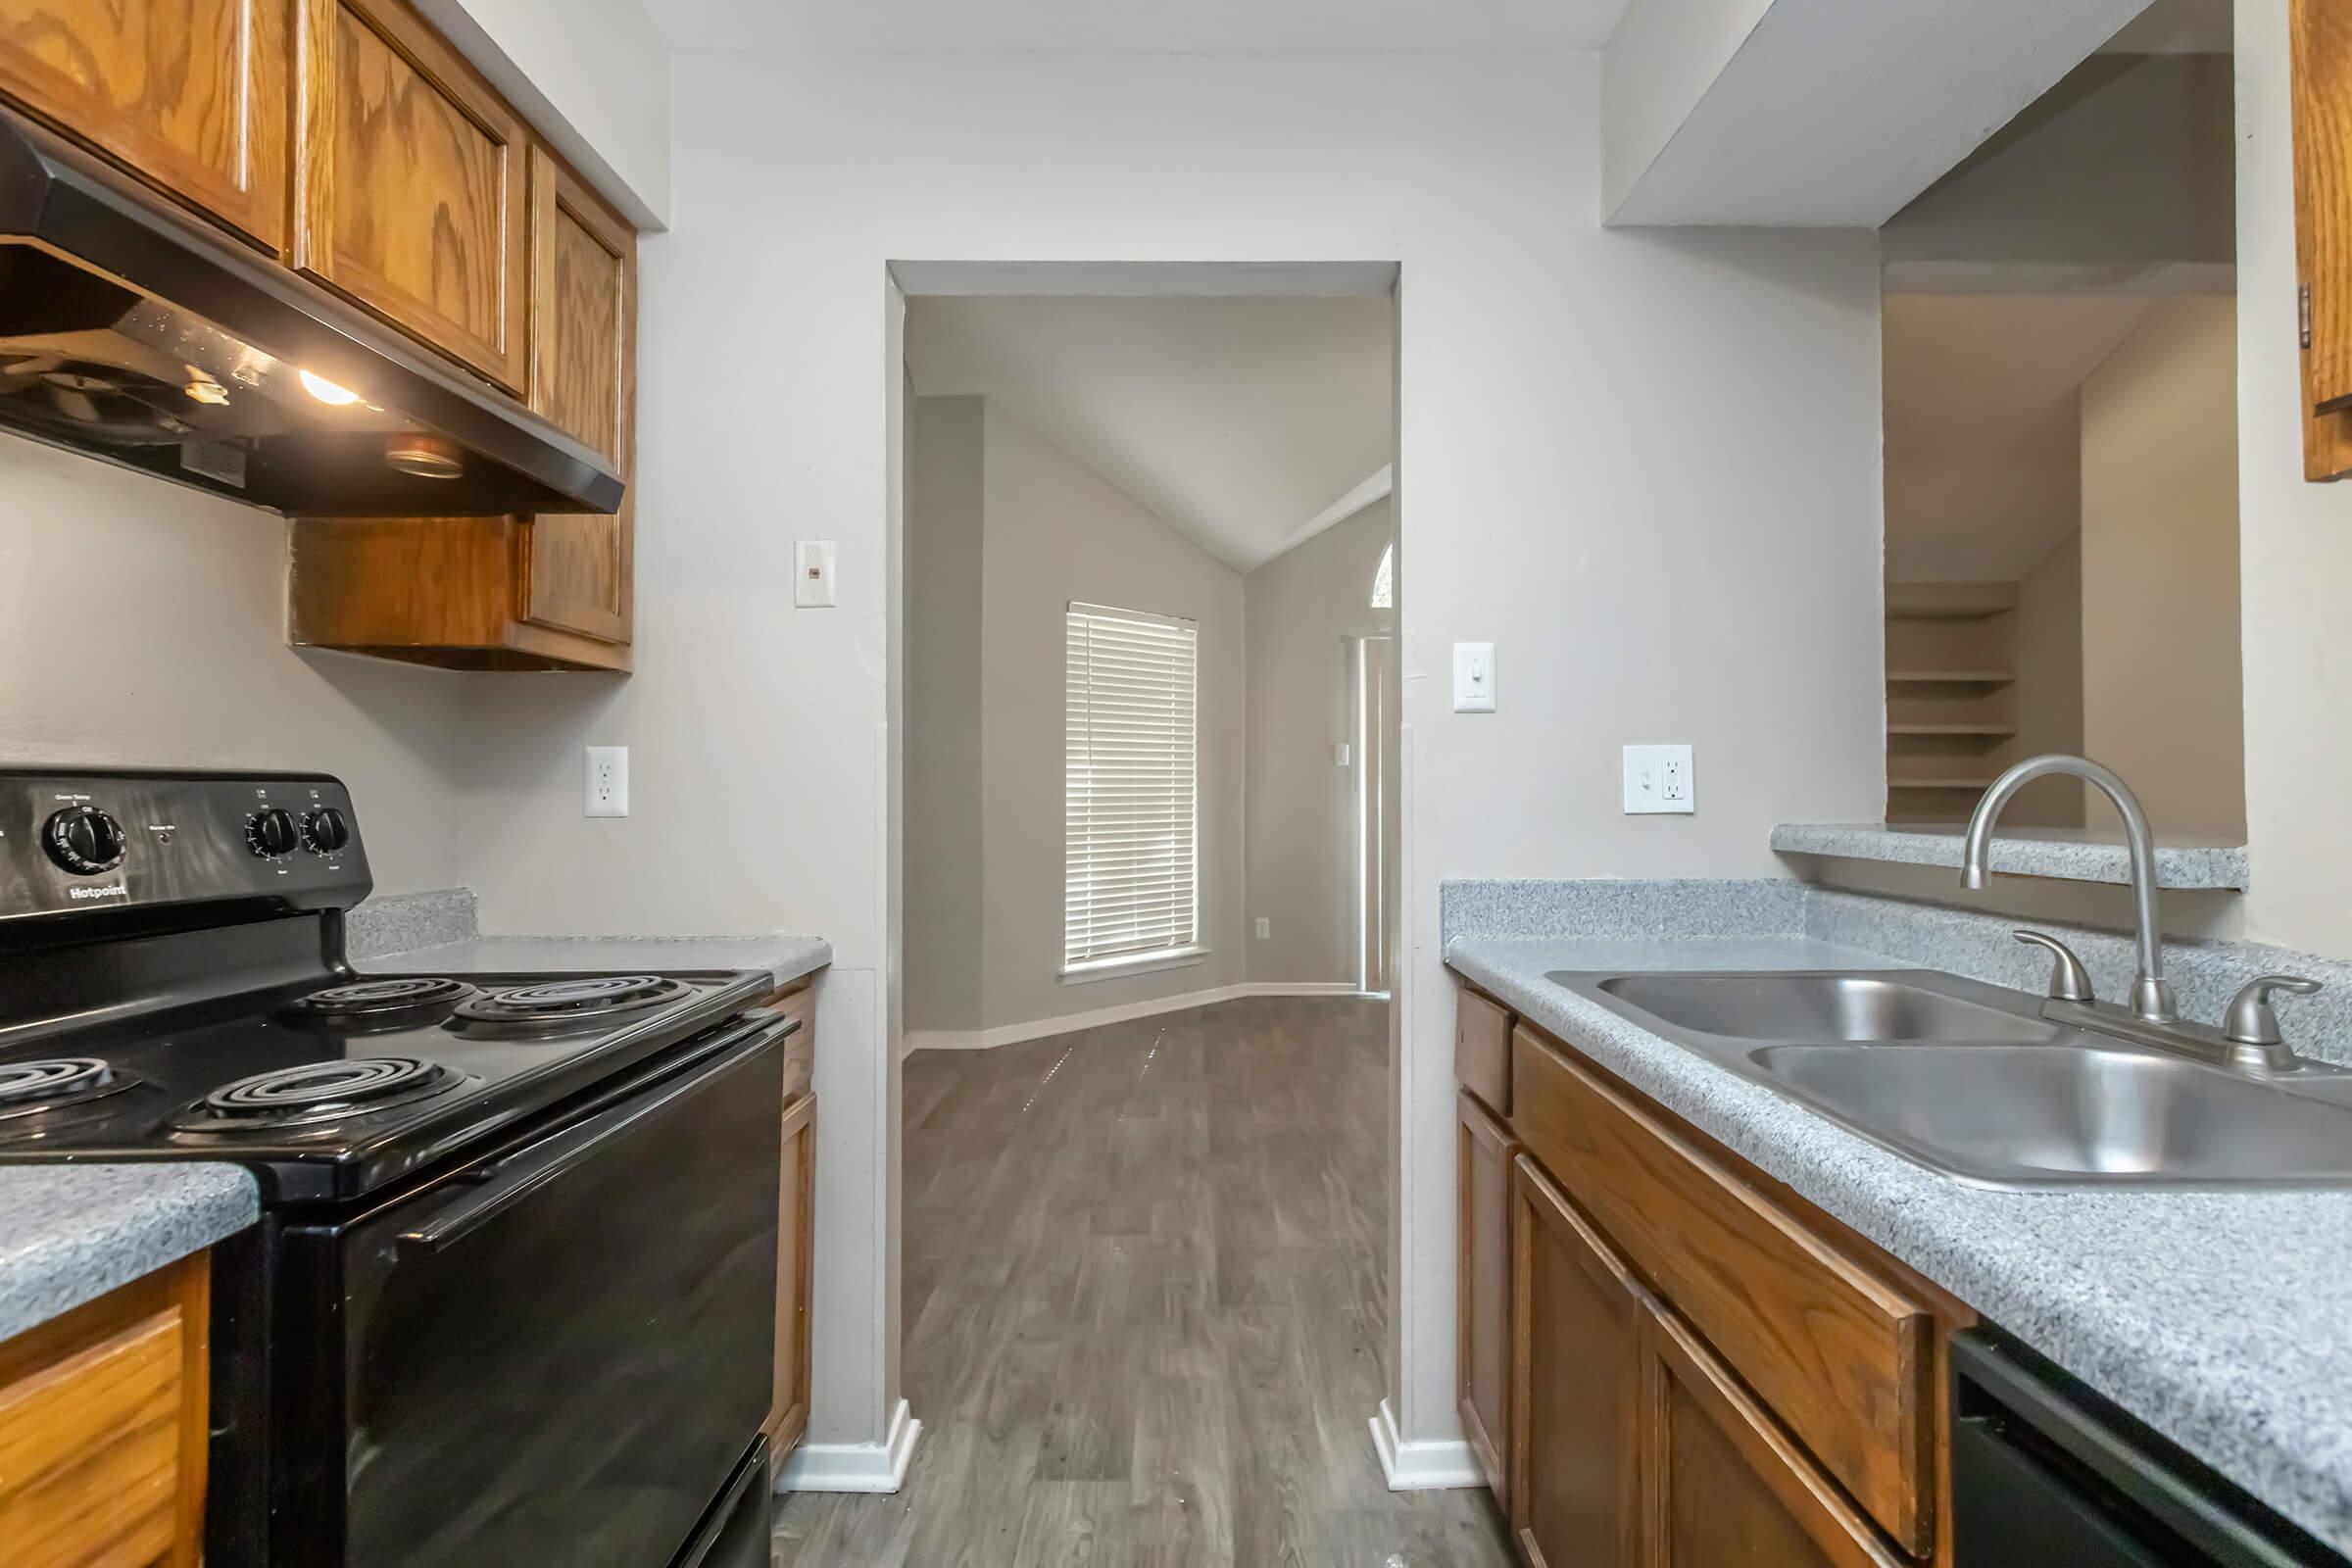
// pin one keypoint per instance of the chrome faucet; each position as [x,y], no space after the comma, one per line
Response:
[2151,996]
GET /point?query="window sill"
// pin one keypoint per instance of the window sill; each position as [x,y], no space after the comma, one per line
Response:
[1139,963]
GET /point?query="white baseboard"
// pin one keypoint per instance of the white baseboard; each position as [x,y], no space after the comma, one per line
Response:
[853,1466]
[1422,1466]
[1013,1034]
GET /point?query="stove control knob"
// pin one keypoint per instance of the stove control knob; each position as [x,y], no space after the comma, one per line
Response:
[324,831]
[272,833]
[84,840]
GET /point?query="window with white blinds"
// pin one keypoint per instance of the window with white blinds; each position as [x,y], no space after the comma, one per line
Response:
[1129,852]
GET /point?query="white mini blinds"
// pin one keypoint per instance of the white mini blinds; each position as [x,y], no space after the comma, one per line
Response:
[1131,882]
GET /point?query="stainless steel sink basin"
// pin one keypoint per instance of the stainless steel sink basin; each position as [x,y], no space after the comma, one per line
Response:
[1818,1007]
[2069,1113]
[1970,1080]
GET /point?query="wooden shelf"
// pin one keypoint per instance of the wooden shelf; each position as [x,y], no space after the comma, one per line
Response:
[1987,731]
[1950,601]
[1950,677]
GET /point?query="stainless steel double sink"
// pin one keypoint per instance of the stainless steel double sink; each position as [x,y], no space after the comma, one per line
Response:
[1970,1080]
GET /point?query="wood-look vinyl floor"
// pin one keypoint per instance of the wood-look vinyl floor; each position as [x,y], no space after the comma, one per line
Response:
[1145,1309]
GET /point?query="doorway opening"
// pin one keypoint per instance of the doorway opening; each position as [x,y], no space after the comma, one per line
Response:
[1148,589]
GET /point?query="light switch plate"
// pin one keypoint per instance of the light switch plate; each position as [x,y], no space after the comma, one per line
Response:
[1474,678]
[1658,781]
[812,562]
[608,781]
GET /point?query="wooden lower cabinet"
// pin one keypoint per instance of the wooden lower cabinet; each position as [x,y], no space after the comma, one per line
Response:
[1575,1391]
[795,1236]
[1705,1368]
[1482,1312]
[104,1428]
[1722,1482]
[788,1413]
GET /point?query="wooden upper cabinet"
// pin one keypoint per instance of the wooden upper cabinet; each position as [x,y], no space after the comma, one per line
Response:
[584,380]
[410,183]
[1721,1483]
[2322,41]
[192,95]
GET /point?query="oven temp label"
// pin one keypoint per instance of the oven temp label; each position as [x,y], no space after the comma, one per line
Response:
[112,890]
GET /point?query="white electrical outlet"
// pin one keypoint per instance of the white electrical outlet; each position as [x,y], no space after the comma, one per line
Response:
[1658,781]
[1266,927]
[608,781]
[812,573]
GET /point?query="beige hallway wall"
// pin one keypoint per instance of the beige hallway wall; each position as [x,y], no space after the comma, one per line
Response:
[2162,690]
[1003,531]
[942,827]
[1306,606]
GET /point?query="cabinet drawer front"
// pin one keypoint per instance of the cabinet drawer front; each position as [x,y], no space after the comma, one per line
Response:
[1481,1049]
[192,93]
[1838,1353]
[411,183]
[90,1448]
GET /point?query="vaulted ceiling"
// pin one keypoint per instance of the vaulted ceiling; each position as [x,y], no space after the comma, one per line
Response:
[1146,25]
[1238,422]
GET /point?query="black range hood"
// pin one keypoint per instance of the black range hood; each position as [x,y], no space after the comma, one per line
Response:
[139,334]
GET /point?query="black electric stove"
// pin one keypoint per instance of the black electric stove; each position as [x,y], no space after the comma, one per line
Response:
[513,1295]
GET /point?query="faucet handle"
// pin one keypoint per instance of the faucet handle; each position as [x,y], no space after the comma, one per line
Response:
[2069,980]
[2250,1020]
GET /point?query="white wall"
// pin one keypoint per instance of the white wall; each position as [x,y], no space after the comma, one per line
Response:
[145,626]
[1057,531]
[1306,607]
[2161,692]
[1649,575]
[2294,548]
[590,75]
[945,835]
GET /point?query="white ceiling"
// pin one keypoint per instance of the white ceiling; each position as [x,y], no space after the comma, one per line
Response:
[1235,421]
[1983,440]
[1138,26]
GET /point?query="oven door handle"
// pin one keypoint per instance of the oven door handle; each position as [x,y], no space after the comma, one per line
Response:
[501,1184]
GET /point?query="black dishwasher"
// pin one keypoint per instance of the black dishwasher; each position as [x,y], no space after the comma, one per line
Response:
[2047,1473]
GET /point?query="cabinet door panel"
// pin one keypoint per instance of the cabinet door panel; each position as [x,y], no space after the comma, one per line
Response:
[411,183]
[583,380]
[1575,1385]
[1483,1308]
[192,93]
[1722,1482]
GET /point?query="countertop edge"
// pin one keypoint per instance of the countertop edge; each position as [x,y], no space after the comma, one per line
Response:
[69,1234]
[2221,866]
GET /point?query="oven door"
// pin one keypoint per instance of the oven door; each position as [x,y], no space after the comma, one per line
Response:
[559,1354]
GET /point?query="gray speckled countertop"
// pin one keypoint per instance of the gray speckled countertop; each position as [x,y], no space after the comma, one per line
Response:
[69,1234]
[2220,1319]
[785,957]
[2068,854]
